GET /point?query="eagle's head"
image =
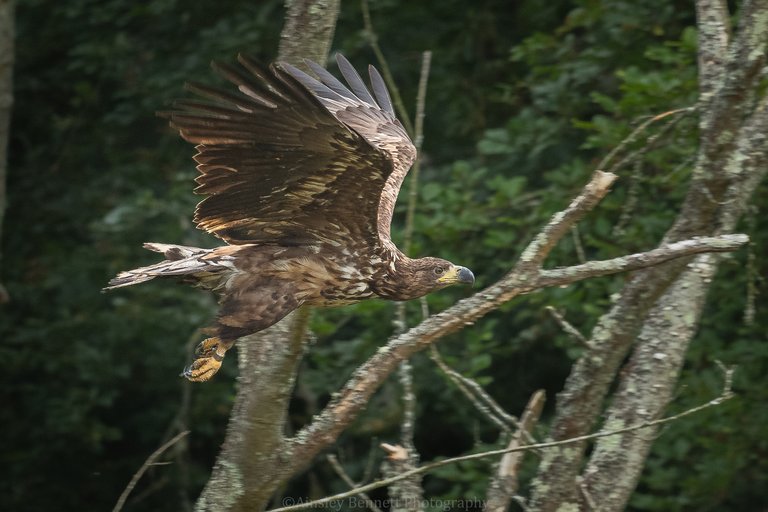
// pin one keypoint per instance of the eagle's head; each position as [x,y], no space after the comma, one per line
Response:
[437,273]
[414,278]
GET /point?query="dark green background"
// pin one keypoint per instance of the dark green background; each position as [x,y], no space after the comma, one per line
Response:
[524,99]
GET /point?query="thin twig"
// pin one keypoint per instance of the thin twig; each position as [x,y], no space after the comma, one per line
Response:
[386,73]
[476,394]
[632,137]
[725,395]
[413,180]
[144,467]
[339,469]
[504,484]
[405,371]
[408,424]
[566,326]
[651,141]
[577,245]
[588,499]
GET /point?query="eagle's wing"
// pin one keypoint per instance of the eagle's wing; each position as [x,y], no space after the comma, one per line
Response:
[292,160]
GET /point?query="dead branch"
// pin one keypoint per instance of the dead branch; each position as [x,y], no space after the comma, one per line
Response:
[144,467]
[339,469]
[566,326]
[725,395]
[633,136]
[475,393]
[409,492]
[730,161]
[503,486]
[525,277]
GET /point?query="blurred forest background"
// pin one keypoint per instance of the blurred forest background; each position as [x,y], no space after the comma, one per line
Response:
[524,99]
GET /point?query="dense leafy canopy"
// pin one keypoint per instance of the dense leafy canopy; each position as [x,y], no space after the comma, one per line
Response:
[524,100]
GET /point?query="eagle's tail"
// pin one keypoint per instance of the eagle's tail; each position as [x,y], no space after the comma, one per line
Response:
[179,261]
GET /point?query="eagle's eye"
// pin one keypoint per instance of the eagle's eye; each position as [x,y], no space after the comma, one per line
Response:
[439,271]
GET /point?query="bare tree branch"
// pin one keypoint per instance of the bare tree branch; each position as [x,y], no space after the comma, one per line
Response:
[714,34]
[144,467]
[409,494]
[592,194]
[720,189]
[525,277]
[725,395]
[504,484]
[632,138]
[339,469]
[667,252]
[308,30]
[482,401]
[567,327]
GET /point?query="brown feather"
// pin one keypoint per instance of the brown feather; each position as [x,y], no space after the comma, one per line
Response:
[281,164]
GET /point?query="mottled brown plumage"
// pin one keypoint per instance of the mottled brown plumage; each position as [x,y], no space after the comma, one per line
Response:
[301,176]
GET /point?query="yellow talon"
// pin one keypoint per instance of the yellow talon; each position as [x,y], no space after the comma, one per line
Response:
[210,354]
[207,347]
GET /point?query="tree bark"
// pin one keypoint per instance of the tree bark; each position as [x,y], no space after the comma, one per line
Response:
[660,307]
[308,31]
[254,460]
[6,101]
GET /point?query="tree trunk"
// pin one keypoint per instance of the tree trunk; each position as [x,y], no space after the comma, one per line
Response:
[659,309]
[6,101]
[254,459]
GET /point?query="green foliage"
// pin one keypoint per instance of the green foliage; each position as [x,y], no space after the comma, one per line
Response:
[524,101]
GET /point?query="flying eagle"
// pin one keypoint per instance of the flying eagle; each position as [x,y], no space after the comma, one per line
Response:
[301,176]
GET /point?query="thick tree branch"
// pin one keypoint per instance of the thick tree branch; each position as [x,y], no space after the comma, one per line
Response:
[733,98]
[712,199]
[592,194]
[522,279]
[714,34]
[664,339]
[667,252]
[308,30]
[725,395]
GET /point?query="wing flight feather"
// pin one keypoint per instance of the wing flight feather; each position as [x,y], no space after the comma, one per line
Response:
[287,159]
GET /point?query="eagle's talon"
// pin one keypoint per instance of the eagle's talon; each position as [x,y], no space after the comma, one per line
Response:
[203,368]
[207,347]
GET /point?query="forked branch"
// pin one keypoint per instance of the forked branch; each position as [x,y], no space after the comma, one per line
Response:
[525,277]
[726,394]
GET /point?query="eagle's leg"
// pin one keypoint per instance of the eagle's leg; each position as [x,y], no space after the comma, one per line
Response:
[256,308]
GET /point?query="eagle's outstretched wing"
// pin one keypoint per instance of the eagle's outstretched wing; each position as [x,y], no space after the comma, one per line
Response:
[292,160]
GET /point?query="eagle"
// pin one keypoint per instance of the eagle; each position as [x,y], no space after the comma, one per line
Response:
[301,175]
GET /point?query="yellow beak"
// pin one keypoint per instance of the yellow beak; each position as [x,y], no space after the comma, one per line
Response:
[457,274]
